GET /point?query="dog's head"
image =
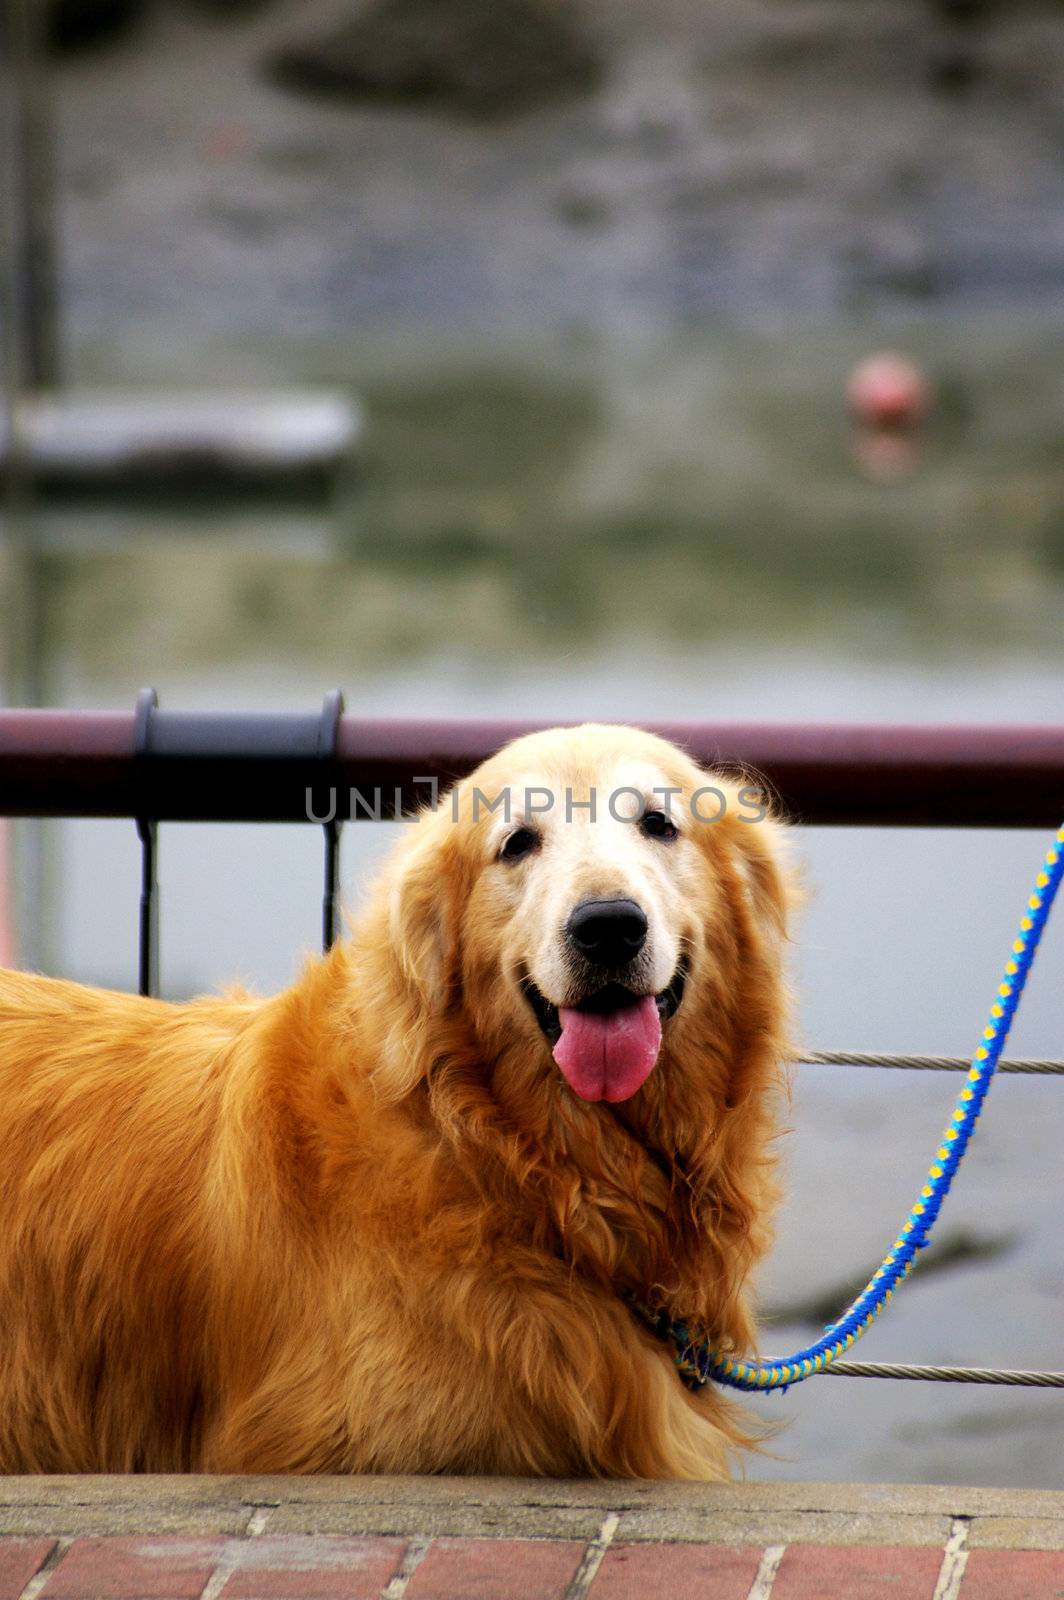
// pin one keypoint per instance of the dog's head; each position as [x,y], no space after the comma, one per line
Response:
[591,901]
[576,961]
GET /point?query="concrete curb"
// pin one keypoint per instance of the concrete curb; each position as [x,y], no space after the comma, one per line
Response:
[487,1508]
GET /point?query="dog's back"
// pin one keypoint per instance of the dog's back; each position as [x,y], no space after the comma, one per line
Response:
[109,1113]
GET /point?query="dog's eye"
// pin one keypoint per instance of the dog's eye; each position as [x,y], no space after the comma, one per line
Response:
[658,825]
[521,843]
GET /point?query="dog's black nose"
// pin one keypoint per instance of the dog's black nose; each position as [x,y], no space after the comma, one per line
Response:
[608,932]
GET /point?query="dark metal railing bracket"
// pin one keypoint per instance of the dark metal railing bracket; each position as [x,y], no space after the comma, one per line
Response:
[148,833]
[328,739]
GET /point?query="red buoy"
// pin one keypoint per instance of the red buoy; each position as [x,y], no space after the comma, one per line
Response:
[888,391]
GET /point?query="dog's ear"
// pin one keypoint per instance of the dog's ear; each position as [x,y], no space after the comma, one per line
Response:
[422,920]
[760,855]
[767,872]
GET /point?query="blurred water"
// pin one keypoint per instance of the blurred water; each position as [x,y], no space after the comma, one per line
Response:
[676,531]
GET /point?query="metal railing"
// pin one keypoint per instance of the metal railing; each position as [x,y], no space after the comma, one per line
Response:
[153,766]
[232,767]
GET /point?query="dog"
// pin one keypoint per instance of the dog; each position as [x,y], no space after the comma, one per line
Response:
[419,1212]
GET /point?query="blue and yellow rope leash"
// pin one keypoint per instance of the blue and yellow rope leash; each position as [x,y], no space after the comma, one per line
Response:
[699,1364]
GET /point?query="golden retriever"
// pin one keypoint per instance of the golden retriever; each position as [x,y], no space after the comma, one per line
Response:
[398,1217]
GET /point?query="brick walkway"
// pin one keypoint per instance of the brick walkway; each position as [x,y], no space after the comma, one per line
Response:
[491,1539]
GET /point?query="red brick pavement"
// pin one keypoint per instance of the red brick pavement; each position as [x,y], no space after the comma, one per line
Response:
[144,1568]
[19,1560]
[1015,1574]
[680,1571]
[334,1567]
[839,1572]
[484,1569]
[312,1567]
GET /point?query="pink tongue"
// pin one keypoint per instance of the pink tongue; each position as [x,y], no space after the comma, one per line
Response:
[608,1057]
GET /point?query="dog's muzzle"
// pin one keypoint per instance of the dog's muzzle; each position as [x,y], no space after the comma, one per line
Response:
[607,1043]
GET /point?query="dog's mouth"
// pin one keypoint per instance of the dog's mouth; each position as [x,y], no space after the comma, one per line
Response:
[607,1044]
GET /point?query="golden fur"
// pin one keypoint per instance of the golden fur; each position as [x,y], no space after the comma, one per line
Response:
[365,1225]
